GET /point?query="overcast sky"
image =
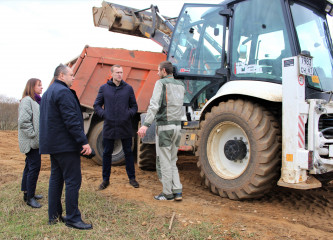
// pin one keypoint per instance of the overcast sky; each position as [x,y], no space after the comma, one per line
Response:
[38,35]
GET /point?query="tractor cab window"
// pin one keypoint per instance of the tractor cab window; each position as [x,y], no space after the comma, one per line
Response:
[314,37]
[196,47]
[259,40]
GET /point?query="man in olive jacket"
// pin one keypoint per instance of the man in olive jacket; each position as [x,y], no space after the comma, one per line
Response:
[120,106]
[166,107]
[62,136]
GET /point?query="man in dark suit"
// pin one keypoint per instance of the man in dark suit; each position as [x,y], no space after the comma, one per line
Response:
[120,107]
[62,136]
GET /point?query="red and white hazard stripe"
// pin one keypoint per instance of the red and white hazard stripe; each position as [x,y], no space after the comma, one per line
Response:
[301,131]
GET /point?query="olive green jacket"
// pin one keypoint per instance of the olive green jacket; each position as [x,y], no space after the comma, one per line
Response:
[166,102]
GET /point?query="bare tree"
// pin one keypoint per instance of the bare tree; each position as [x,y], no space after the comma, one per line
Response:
[8,113]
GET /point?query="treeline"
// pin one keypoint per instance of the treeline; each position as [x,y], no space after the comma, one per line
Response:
[8,113]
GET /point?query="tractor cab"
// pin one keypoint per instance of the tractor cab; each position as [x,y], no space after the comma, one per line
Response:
[247,40]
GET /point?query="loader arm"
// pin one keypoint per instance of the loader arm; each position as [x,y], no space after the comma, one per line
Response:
[131,21]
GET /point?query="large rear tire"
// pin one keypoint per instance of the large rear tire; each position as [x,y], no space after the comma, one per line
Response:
[239,150]
[146,155]
[96,142]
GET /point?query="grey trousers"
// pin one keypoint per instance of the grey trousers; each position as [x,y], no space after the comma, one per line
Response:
[167,144]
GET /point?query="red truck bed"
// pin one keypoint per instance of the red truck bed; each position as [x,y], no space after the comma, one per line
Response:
[92,69]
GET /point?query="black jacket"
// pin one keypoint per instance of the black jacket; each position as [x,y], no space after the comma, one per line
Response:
[61,122]
[119,108]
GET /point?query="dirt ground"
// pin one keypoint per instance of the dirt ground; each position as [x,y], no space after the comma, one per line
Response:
[281,214]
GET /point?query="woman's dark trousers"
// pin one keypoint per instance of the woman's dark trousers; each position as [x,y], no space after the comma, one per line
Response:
[31,172]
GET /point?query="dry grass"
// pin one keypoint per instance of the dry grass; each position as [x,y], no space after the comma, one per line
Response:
[111,219]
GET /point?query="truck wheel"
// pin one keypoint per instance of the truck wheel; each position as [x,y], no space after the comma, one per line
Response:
[146,155]
[239,150]
[96,142]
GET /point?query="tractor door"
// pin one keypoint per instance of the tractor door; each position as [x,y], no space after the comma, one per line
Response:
[198,49]
[259,40]
[198,40]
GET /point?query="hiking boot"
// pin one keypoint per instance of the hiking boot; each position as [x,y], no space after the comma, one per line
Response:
[178,196]
[163,197]
[134,183]
[104,185]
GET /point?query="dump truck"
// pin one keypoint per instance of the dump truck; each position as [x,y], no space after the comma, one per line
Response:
[258,77]
[93,69]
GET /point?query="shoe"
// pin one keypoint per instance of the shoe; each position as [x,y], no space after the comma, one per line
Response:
[53,221]
[178,196]
[37,197]
[60,219]
[32,202]
[162,196]
[104,185]
[79,225]
[134,183]
[63,219]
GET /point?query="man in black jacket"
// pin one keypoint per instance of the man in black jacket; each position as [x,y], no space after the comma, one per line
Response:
[120,106]
[62,136]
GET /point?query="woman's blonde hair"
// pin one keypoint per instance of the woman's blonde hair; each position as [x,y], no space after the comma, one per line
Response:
[29,89]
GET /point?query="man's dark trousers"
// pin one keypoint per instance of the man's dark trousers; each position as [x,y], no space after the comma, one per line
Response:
[107,157]
[65,167]
[31,172]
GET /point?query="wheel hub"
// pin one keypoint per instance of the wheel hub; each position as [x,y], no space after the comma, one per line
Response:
[235,150]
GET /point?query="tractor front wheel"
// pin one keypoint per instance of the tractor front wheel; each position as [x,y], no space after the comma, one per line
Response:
[239,150]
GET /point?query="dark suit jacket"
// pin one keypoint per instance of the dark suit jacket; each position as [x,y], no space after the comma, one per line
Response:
[119,108]
[61,122]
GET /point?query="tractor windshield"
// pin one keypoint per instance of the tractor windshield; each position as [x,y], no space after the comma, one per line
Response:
[314,37]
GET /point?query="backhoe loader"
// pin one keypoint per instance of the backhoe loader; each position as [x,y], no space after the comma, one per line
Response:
[258,108]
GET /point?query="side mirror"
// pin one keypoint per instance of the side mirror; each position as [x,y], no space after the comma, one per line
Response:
[242,51]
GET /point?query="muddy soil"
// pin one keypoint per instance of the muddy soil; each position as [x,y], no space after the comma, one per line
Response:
[281,214]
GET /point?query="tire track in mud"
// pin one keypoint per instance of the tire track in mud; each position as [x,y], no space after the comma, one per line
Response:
[311,208]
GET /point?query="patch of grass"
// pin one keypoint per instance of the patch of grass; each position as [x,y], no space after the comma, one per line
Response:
[111,219]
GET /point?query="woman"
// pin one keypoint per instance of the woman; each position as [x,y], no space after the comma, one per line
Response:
[28,136]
